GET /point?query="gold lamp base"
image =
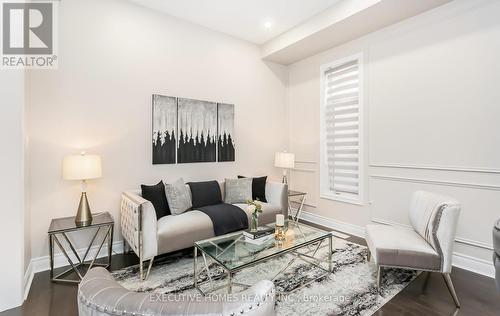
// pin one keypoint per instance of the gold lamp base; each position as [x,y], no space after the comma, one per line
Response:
[83,216]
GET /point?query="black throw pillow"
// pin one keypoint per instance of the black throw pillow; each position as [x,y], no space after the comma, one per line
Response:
[205,193]
[156,195]
[258,188]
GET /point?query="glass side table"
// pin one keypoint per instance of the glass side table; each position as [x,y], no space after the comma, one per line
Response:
[302,200]
[60,227]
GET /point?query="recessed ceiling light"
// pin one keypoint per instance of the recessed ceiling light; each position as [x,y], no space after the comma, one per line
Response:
[268,24]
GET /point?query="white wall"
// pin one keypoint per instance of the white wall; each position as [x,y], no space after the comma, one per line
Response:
[422,108]
[12,217]
[113,56]
[431,100]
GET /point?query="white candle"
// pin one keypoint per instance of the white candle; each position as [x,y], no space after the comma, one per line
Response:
[280,220]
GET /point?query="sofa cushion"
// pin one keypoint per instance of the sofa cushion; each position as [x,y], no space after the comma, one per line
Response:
[156,195]
[205,193]
[258,188]
[268,214]
[182,231]
[178,197]
[400,247]
[238,190]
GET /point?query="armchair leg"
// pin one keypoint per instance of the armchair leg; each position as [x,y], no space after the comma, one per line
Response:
[426,280]
[449,284]
[379,276]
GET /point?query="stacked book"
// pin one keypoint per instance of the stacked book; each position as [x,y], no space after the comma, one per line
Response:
[259,237]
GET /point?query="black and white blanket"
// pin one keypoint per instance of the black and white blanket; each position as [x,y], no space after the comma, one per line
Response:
[226,218]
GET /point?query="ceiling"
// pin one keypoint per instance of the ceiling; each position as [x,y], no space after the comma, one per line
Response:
[341,23]
[244,19]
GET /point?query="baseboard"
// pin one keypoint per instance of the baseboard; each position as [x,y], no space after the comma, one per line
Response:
[473,264]
[351,229]
[476,265]
[28,279]
[43,263]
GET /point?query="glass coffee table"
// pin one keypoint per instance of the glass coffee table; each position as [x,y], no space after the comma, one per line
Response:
[232,253]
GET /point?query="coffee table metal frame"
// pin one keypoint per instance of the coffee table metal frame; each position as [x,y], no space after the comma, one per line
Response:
[306,257]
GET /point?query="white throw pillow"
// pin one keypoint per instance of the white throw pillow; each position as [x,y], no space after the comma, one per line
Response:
[238,190]
[178,197]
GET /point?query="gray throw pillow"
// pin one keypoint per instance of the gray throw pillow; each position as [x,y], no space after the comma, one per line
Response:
[238,190]
[178,197]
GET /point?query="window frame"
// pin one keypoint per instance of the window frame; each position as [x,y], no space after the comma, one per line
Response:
[325,192]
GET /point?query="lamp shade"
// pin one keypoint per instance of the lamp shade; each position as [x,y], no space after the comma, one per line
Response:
[82,167]
[284,160]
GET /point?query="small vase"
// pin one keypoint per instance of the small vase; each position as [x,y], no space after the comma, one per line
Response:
[255,223]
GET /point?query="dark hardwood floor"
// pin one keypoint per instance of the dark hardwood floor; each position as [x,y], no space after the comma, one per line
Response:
[426,296]
[58,299]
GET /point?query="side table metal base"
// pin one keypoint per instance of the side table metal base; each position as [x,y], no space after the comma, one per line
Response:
[79,267]
[296,218]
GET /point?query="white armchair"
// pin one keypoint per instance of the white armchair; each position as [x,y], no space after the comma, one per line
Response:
[427,247]
[100,295]
[149,237]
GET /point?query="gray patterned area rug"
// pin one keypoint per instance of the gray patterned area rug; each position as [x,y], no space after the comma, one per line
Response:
[349,290]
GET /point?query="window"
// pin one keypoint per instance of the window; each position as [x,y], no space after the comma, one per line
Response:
[341,138]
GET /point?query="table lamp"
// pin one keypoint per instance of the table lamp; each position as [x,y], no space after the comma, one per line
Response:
[82,167]
[285,161]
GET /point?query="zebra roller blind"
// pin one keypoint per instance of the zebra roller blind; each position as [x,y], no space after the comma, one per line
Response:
[341,132]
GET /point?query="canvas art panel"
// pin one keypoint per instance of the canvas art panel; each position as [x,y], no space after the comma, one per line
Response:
[225,137]
[164,129]
[197,125]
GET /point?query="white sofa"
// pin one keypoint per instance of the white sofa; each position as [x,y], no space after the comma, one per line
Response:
[149,237]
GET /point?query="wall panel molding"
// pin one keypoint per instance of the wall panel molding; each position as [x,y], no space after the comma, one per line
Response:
[303,170]
[305,204]
[306,161]
[474,243]
[435,167]
[469,185]
[462,240]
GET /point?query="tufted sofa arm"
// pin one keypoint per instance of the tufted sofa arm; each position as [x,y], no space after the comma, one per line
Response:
[100,295]
[138,224]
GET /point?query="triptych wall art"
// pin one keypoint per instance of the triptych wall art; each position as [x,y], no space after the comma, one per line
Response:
[186,131]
